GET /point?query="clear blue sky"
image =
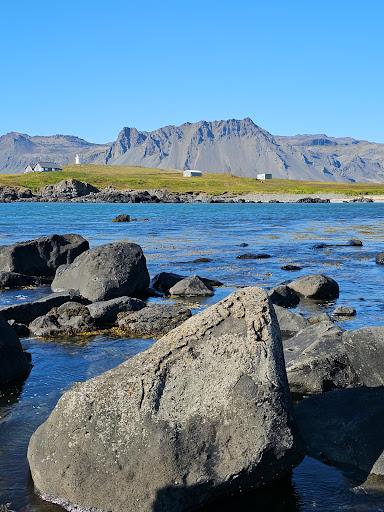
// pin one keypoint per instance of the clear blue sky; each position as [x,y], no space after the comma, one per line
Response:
[90,67]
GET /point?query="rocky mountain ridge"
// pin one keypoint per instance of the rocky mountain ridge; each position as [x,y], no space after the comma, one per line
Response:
[235,146]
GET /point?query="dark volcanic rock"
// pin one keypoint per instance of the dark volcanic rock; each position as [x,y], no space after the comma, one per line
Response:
[355,242]
[380,258]
[123,217]
[202,260]
[106,311]
[68,189]
[42,256]
[292,268]
[69,319]
[153,320]
[191,287]
[14,193]
[25,312]
[345,427]
[313,200]
[15,280]
[319,287]
[344,311]
[106,272]
[284,296]
[252,256]
[205,412]
[14,364]
[163,281]
[21,329]
[289,323]
[322,357]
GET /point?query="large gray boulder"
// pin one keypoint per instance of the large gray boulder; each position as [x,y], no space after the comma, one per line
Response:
[106,272]
[345,427]
[14,365]
[284,296]
[25,312]
[315,286]
[154,320]
[191,287]
[322,358]
[42,256]
[204,412]
[106,311]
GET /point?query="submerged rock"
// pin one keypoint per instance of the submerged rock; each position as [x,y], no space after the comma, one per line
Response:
[25,312]
[15,280]
[345,427]
[291,268]
[106,272]
[253,256]
[123,217]
[204,412]
[14,364]
[319,287]
[380,258]
[42,256]
[153,320]
[191,287]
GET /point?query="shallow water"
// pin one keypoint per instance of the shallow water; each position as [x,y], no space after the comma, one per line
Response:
[172,237]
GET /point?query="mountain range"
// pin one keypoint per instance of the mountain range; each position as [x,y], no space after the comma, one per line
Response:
[239,147]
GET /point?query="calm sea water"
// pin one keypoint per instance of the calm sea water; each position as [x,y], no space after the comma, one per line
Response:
[172,236]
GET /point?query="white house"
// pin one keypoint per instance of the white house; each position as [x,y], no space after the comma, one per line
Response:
[264,176]
[42,167]
[192,173]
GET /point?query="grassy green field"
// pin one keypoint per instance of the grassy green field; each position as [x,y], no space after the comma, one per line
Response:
[140,178]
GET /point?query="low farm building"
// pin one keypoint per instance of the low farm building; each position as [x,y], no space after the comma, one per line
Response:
[42,167]
[264,176]
[192,173]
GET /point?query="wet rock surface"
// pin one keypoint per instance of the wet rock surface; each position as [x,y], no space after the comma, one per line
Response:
[191,287]
[14,364]
[316,286]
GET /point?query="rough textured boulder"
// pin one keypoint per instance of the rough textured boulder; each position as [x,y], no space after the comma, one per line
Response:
[154,320]
[191,287]
[67,189]
[106,311]
[106,272]
[380,258]
[317,287]
[291,268]
[322,358]
[69,319]
[15,280]
[14,364]
[290,323]
[25,312]
[284,296]
[204,412]
[42,256]
[163,281]
[345,427]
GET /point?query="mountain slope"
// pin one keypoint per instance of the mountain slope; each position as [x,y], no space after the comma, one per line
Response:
[235,146]
[18,150]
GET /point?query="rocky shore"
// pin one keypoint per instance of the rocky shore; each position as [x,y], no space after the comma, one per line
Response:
[73,190]
[207,411]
